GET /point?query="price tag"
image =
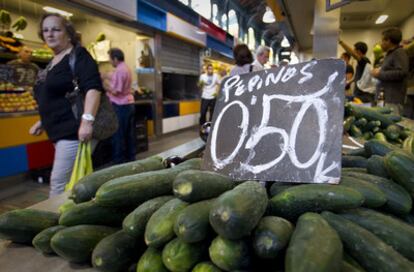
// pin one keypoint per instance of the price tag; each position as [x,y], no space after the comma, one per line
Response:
[282,124]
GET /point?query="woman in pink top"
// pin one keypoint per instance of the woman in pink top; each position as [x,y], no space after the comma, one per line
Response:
[119,92]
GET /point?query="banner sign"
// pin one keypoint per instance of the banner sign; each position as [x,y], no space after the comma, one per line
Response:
[282,124]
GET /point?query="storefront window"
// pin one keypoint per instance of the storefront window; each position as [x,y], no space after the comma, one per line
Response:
[233,24]
[202,7]
[251,39]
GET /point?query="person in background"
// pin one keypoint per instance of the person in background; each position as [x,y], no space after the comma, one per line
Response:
[262,57]
[349,73]
[119,91]
[25,59]
[209,82]
[393,73]
[52,85]
[358,53]
[244,59]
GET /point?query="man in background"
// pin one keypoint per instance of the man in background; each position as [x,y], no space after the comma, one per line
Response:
[359,53]
[118,88]
[208,82]
[393,73]
[349,73]
[261,58]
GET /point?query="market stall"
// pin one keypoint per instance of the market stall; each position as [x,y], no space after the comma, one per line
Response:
[211,213]
[21,152]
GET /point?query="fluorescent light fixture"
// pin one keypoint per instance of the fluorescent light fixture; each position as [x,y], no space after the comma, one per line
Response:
[381,19]
[59,11]
[268,16]
[285,42]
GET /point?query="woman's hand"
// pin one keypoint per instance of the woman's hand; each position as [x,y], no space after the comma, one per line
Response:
[85,131]
[36,129]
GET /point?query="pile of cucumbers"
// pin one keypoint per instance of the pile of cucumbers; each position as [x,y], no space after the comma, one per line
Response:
[374,123]
[142,217]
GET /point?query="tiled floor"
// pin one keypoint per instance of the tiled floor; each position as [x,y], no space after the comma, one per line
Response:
[25,192]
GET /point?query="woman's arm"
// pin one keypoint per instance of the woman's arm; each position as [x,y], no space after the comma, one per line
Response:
[92,101]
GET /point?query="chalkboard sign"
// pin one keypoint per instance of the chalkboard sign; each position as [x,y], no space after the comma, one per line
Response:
[24,74]
[281,124]
[6,73]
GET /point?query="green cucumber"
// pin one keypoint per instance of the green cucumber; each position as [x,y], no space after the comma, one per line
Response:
[377,147]
[136,189]
[42,240]
[394,117]
[408,144]
[393,132]
[372,125]
[355,131]
[195,185]
[380,136]
[400,167]
[160,226]
[278,187]
[86,188]
[354,169]
[367,135]
[151,261]
[76,244]
[230,255]
[348,122]
[271,236]
[21,226]
[314,246]
[91,213]
[376,166]
[192,223]
[361,122]
[352,262]
[373,196]
[179,256]
[398,202]
[205,267]
[235,213]
[384,110]
[392,231]
[354,161]
[134,224]
[356,152]
[371,115]
[294,201]
[369,250]
[116,252]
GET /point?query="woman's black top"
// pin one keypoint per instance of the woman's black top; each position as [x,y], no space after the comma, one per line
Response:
[55,110]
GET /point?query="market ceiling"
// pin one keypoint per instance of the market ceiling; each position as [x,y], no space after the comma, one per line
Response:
[359,14]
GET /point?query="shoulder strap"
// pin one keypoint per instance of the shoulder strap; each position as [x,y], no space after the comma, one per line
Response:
[72,61]
[251,68]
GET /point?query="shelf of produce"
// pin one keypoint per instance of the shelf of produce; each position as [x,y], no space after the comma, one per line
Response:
[16,258]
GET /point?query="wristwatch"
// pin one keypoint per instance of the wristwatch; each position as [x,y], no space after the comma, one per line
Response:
[88,117]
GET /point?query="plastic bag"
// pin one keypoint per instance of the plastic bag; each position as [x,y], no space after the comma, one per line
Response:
[83,165]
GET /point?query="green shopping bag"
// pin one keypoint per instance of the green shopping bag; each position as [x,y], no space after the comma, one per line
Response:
[83,165]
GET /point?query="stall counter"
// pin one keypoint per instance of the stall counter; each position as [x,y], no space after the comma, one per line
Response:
[20,151]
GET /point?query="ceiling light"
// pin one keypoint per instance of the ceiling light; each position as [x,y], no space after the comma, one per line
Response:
[59,11]
[268,16]
[381,19]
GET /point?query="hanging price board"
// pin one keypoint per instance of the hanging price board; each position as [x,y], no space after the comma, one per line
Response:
[281,124]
